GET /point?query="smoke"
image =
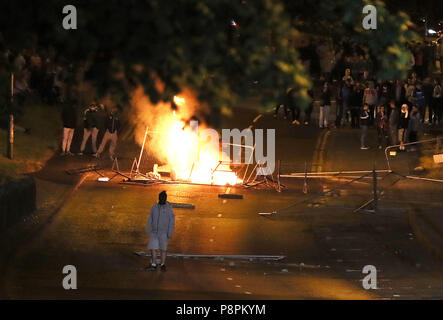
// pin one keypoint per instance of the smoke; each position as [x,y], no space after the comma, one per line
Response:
[192,153]
[160,118]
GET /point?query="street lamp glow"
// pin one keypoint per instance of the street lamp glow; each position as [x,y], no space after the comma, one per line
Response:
[430,31]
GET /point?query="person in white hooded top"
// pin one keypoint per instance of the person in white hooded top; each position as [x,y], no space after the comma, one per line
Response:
[160,226]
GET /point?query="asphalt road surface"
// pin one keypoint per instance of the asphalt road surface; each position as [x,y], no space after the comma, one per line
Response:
[98,227]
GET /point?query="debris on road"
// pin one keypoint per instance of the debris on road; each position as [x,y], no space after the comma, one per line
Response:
[218,256]
[267,213]
[182,205]
[230,196]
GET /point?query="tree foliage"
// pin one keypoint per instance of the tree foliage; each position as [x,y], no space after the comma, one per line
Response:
[192,43]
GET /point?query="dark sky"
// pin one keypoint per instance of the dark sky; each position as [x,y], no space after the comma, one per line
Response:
[433,9]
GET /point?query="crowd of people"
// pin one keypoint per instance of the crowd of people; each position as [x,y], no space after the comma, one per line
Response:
[42,80]
[94,118]
[397,109]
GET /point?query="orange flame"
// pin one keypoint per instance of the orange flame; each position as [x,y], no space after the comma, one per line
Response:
[190,157]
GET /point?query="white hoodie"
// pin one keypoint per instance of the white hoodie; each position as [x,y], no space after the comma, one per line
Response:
[161,220]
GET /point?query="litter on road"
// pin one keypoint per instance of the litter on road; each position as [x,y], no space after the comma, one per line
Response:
[230,196]
[217,256]
[182,205]
[267,213]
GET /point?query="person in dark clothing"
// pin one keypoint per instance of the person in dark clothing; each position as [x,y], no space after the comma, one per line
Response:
[403,126]
[437,101]
[364,125]
[69,119]
[414,126]
[91,125]
[308,110]
[381,123]
[355,102]
[343,108]
[112,126]
[292,106]
[428,58]
[419,100]
[325,106]
[399,93]
[427,89]
[394,118]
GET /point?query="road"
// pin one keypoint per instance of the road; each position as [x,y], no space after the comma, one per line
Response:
[98,227]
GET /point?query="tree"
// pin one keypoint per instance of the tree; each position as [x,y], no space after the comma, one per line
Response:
[193,43]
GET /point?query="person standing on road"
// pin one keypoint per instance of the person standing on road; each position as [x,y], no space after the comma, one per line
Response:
[343,108]
[160,226]
[308,110]
[427,89]
[325,106]
[292,106]
[69,119]
[437,101]
[112,126]
[370,99]
[90,120]
[393,123]
[414,126]
[356,98]
[381,122]
[399,93]
[364,124]
[403,125]
[419,100]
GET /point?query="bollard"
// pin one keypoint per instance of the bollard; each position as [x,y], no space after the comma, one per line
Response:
[11,137]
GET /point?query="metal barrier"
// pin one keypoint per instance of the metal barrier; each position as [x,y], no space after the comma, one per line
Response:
[438,139]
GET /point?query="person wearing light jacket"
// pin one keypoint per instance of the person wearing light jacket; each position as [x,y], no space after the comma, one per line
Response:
[370,98]
[160,226]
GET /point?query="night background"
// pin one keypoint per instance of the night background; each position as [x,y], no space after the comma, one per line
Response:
[96,121]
